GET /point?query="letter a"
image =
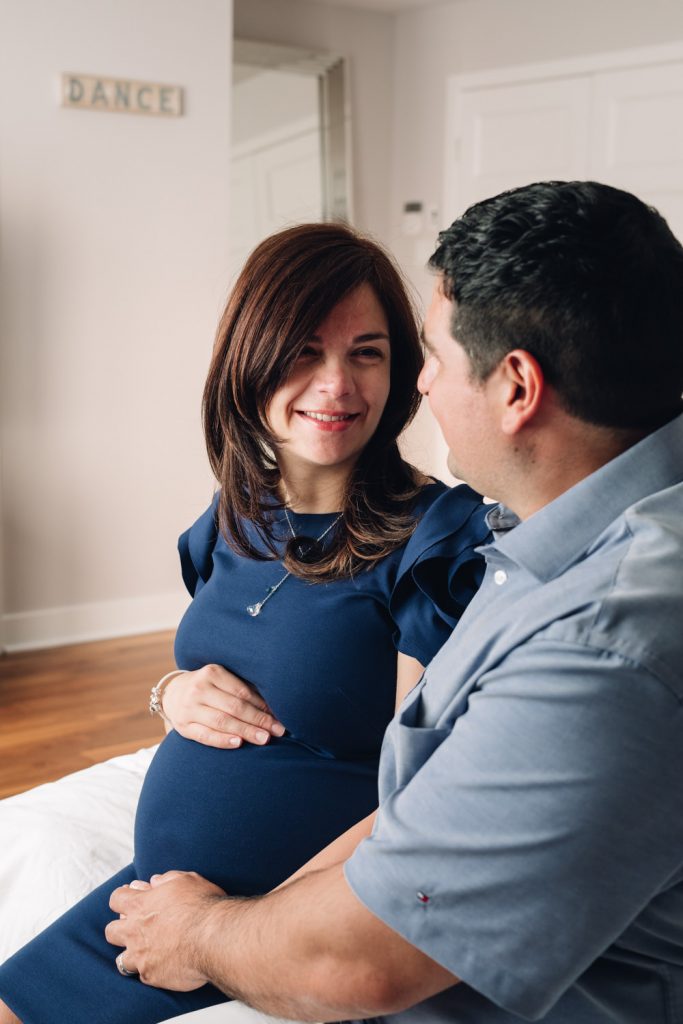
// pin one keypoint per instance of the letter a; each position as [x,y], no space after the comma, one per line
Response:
[98,93]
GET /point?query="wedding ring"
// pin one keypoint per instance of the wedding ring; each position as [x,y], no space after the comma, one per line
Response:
[122,969]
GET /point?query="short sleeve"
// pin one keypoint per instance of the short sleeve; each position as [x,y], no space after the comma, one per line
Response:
[195,548]
[540,827]
[439,573]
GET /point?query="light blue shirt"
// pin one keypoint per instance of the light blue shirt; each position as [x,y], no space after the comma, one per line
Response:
[530,837]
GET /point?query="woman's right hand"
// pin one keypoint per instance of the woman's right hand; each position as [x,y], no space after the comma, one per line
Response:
[215,707]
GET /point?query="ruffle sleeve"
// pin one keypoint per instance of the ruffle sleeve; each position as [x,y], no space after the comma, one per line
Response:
[195,548]
[439,573]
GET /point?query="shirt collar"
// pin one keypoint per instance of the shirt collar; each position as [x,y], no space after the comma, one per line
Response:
[558,534]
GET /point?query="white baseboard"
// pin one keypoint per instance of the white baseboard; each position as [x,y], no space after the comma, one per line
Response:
[100,620]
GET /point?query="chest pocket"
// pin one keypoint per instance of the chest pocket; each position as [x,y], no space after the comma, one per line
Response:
[414,743]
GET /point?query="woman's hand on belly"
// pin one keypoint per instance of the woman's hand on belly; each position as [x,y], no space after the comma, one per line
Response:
[215,707]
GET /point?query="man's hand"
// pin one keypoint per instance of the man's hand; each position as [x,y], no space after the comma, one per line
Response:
[160,925]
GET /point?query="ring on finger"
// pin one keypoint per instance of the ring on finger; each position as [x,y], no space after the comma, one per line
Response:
[122,969]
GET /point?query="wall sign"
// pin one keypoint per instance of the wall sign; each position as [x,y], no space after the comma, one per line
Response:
[121,95]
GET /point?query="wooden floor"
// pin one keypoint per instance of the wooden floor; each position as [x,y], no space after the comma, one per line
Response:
[68,707]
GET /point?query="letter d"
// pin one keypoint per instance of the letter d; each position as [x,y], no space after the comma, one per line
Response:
[75,90]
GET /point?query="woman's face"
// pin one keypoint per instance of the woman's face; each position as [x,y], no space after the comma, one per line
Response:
[329,407]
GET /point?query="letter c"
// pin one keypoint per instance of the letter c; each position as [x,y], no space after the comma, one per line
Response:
[143,106]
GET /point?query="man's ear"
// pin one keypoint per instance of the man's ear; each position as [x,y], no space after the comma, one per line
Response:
[523,385]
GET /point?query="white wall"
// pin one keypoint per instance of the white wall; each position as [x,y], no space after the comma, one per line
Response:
[113,269]
[367,40]
[471,35]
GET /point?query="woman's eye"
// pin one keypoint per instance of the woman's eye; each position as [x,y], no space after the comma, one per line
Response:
[369,352]
[307,352]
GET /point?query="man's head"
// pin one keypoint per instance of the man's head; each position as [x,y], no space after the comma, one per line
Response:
[586,278]
[567,294]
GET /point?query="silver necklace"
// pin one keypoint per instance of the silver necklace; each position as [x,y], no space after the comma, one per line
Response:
[255,609]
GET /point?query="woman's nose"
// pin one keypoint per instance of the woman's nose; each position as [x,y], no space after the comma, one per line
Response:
[335,379]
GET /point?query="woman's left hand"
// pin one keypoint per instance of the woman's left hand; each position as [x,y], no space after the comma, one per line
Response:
[215,707]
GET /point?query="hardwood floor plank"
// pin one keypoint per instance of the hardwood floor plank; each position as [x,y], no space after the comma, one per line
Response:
[65,708]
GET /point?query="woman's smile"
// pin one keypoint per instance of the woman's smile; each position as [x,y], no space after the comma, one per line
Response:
[321,419]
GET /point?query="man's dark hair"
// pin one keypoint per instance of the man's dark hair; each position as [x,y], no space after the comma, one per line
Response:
[586,278]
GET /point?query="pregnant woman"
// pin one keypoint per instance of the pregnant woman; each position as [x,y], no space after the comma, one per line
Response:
[306,586]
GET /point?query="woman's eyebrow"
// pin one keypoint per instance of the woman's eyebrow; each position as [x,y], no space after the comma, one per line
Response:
[372,336]
[369,336]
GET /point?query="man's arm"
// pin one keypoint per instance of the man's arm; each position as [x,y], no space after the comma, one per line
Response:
[309,951]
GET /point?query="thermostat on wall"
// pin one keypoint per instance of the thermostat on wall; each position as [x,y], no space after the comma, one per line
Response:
[412,220]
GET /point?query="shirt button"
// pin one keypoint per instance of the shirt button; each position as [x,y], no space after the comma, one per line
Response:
[500,576]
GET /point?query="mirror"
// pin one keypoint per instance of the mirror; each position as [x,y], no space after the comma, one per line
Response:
[290,141]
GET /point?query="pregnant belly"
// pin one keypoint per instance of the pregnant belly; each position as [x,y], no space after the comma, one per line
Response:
[245,818]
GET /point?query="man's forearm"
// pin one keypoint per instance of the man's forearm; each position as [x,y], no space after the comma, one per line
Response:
[312,951]
[275,954]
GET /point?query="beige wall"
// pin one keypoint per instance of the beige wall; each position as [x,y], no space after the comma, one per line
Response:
[113,268]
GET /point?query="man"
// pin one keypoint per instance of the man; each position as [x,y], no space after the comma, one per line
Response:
[527,860]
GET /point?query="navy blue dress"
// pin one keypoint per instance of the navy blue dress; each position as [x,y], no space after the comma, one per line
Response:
[324,658]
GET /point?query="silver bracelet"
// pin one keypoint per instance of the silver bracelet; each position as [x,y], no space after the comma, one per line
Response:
[157,694]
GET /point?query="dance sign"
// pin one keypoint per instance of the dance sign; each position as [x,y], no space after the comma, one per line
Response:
[121,95]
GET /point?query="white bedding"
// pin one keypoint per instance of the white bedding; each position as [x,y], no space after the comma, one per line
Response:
[61,840]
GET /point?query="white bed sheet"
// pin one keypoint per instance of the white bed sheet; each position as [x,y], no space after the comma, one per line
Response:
[227,1013]
[61,840]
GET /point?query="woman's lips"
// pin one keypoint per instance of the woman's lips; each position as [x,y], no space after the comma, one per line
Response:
[328,420]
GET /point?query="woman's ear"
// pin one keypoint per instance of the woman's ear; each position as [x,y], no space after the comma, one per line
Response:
[523,385]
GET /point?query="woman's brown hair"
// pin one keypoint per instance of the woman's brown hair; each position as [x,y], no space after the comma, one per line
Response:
[288,286]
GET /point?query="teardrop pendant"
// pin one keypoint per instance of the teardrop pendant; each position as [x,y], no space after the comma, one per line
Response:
[302,548]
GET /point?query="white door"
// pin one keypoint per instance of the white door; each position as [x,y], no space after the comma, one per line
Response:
[638,135]
[620,125]
[290,182]
[516,133]
[276,180]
